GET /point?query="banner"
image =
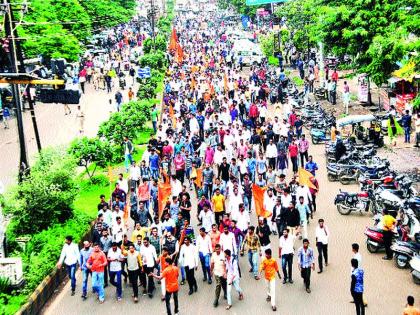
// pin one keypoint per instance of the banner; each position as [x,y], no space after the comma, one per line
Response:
[258,194]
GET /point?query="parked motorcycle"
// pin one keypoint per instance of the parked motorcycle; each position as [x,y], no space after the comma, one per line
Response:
[318,136]
[348,202]
[405,251]
[375,239]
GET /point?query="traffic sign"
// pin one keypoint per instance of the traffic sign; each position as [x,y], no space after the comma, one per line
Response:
[259,2]
[143,73]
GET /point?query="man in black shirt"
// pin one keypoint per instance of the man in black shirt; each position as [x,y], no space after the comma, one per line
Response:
[263,231]
[292,218]
[224,171]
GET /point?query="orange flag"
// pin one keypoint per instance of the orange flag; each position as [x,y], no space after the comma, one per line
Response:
[197,181]
[173,41]
[164,194]
[258,193]
[225,82]
[305,178]
[179,55]
[171,111]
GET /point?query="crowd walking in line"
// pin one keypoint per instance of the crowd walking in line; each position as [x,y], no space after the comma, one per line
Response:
[218,141]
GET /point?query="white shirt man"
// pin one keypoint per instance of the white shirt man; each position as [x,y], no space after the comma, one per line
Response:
[189,256]
[322,234]
[286,244]
[148,255]
[69,254]
[271,151]
[118,231]
[227,241]
[305,193]
[204,244]
[135,172]
[115,258]
[235,199]
[207,219]
[242,219]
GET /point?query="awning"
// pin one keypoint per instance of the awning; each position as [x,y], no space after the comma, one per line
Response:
[354,119]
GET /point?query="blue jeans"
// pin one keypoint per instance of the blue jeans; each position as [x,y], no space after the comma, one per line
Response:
[71,272]
[98,284]
[154,123]
[407,134]
[117,284]
[85,278]
[253,261]
[238,289]
[205,265]
[286,266]
[183,273]
[128,160]
[154,173]
[247,202]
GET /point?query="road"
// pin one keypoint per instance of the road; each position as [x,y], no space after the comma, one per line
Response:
[330,290]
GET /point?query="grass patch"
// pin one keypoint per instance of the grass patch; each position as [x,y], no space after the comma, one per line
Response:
[89,194]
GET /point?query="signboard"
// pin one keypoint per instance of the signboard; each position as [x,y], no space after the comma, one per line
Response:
[363,88]
[259,2]
[143,73]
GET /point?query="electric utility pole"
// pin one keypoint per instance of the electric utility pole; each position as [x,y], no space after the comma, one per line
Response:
[11,34]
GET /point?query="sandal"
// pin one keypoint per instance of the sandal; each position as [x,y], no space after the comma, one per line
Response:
[228,307]
[241,297]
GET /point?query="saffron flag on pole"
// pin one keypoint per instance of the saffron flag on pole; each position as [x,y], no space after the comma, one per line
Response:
[164,194]
[179,54]
[173,40]
[258,194]
[198,179]
[305,178]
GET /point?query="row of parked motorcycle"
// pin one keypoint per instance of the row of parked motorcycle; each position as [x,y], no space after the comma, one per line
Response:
[352,162]
[380,188]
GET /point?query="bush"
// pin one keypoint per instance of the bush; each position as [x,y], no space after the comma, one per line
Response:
[147,90]
[45,196]
[156,60]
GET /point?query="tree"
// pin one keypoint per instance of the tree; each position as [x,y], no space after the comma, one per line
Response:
[300,18]
[128,122]
[88,151]
[45,196]
[106,13]
[376,33]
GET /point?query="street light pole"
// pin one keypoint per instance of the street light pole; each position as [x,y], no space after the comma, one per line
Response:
[152,13]
[11,33]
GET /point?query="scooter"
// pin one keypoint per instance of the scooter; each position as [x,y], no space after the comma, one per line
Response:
[348,202]
[319,136]
[375,239]
[415,266]
[404,252]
